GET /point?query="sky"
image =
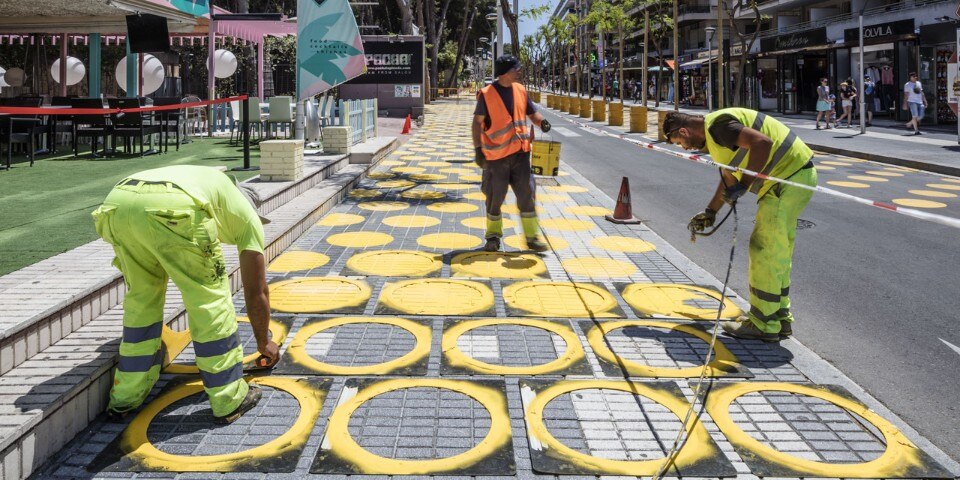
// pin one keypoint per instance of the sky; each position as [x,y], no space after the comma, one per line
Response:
[528,26]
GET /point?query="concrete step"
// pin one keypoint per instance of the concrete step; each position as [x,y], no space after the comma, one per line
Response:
[49,398]
[45,302]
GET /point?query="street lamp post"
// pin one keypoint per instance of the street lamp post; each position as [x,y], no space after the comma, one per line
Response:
[710,32]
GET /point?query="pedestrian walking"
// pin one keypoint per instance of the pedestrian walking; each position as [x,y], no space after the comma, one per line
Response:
[750,139]
[869,98]
[847,96]
[616,89]
[501,139]
[915,101]
[169,223]
[823,102]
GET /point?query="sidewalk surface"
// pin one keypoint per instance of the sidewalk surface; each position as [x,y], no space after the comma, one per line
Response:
[409,352]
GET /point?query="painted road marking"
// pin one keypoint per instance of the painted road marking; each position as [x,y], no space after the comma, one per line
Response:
[566,132]
[952,346]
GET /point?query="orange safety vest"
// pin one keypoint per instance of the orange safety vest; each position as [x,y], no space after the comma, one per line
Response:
[507,134]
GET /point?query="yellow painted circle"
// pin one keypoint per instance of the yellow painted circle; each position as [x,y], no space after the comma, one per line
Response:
[411,221]
[551,197]
[296,261]
[437,296]
[698,440]
[384,206]
[449,241]
[391,163]
[838,164]
[951,180]
[567,225]
[512,209]
[481,223]
[290,442]
[668,300]
[520,242]
[933,194]
[423,195]
[567,189]
[868,178]
[395,263]
[380,176]
[724,360]
[454,186]
[899,454]
[427,177]
[408,169]
[884,173]
[455,357]
[413,158]
[359,239]
[278,333]
[422,336]
[623,244]
[395,184]
[471,178]
[453,207]
[560,299]
[848,184]
[434,164]
[422,150]
[944,186]
[497,265]
[364,193]
[918,203]
[824,167]
[589,210]
[457,170]
[476,196]
[340,220]
[598,267]
[347,448]
[318,294]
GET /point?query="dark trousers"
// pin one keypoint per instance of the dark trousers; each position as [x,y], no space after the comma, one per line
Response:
[500,175]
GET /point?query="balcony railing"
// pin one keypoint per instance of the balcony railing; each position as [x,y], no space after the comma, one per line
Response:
[823,22]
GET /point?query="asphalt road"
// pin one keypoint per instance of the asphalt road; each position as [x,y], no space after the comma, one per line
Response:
[874,293]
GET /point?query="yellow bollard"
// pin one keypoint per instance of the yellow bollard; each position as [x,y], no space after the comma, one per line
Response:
[551,101]
[585,110]
[661,116]
[638,119]
[600,110]
[574,106]
[565,104]
[616,115]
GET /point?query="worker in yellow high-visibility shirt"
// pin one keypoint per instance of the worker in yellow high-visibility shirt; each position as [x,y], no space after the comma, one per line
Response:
[169,223]
[749,139]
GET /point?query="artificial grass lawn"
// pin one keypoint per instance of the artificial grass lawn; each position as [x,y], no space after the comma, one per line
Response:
[46,208]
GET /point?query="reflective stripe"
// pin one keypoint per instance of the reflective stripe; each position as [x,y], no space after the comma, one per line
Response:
[760,316]
[785,292]
[765,296]
[507,144]
[528,214]
[139,363]
[742,152]
[216,347]
[219,379]
[494,218]
[510,126]
[777,156]
[142,334]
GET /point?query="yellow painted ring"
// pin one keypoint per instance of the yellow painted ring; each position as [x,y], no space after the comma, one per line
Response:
[455,357]
[411,221]
[278,333]
[296,261]
[589,211]
[598,267]
[452,207]
[135,441]
[623,244]
[421,349]
[395,263]
[918,203]
[359,239]
[497,265]
[898,456]
[567,189]
[318,294]
[639,296]
[560,299]
[340,220]
[724,359]
[567,224]
[698,439]
[933,194]
[384,206]
[452,297]
[346,448]
[448,241]
[423,195]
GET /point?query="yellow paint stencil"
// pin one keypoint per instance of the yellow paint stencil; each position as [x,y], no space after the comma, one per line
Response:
[396,263]
[567,225]
[918,203]
[497,265]
[476,196]
[380,176]
[560,299]
[848,184]
[408,169]
[599,267]
[364,193]
[419,194]
[676,300]
[454,186]
[471,178]
[318,294]
[411,221]
[384,206]
[452,207]
[837,164]
[455,357]
[884,173]
[428,177]
[395,184]
[567,189]
[449,241]
[589,211]
[359,239]
[944,186]
[340,220]
[296,261]
[437,296]
[623,244]
[867,178]
[933,194]
[481,223]
[456,170]
[512,209]
[298,353]
[520,242]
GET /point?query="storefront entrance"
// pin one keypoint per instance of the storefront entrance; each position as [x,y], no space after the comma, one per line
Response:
[800,75]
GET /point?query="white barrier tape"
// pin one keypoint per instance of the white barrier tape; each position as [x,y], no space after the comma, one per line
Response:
[706,160]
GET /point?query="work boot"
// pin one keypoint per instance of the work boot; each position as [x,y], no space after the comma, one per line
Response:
[115,416]
[537,245]
[250,401]
[786,329]
[744,329]
[493,245]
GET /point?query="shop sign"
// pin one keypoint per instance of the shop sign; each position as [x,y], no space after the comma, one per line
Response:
[736,50]
[707,54]
[806,38]
[883,30]
[397,62]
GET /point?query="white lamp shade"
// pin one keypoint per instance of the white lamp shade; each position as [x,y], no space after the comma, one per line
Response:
[224,63]
[15,77]
[152,74]
[75,70]
[3,72]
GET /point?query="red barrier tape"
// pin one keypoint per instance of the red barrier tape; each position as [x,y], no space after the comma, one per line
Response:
[114,111]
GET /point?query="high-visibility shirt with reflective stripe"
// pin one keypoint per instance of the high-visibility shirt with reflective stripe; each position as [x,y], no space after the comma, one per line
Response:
[509,132]
[788,154]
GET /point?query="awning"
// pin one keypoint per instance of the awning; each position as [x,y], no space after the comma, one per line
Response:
[696,63]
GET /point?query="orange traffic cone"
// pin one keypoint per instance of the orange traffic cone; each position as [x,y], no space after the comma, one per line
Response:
[623,212]
[406,126]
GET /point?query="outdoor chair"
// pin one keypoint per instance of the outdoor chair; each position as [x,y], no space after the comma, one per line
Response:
[280,113]
[236,121]
[255,116]
[93,126]
[132,126]
[21,129]
[169,121]
[195,118]
[60,125]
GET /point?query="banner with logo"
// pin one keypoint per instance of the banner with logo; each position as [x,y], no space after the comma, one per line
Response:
[329,47]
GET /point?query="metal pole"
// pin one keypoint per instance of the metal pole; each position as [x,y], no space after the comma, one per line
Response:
[644,75]
[676,57]
[260,67]
[211,73]
[951,86]
[863,118]
[498,45]
[63,64]
[245,125]
[710,75]
[93,88]
[721,77]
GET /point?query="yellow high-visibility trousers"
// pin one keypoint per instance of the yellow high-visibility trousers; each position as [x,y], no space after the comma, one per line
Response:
[158,232]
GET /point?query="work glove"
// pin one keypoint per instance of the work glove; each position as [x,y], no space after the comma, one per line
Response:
[733,193]
[479,159]
[545,126]
[702,221]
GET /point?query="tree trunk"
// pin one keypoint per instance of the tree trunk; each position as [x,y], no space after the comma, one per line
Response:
[510,17]
[603,67]
[620,35]
[406,17]
[469,13]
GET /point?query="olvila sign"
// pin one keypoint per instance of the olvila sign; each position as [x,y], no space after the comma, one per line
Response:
[881,31]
